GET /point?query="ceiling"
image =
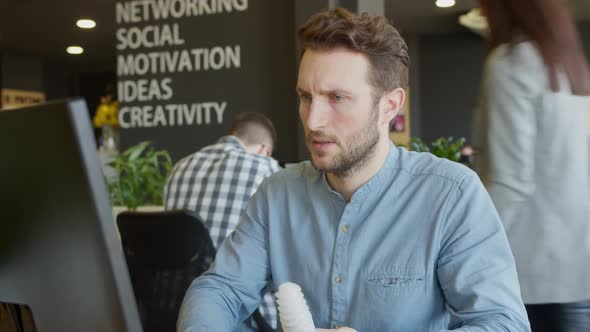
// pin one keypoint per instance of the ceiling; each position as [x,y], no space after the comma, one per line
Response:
[42,27]
[421,16]
[46,28]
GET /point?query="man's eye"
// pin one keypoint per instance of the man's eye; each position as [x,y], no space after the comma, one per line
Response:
[305,98]
[336,98]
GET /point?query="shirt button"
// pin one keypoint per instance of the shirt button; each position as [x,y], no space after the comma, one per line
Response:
[344,229]
[338,280]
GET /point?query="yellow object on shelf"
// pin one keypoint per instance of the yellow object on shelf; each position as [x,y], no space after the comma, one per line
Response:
[106,113]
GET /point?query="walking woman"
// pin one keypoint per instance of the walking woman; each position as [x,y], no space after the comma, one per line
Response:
[531,134]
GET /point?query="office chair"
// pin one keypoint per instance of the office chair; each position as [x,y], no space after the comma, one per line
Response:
[165,252]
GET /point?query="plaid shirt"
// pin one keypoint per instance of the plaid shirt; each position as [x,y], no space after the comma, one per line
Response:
[217,183]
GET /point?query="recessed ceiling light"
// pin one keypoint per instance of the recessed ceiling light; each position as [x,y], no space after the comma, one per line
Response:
[86,23]
[445,3]
[75,50]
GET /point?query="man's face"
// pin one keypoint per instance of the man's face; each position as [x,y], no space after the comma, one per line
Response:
[337,109]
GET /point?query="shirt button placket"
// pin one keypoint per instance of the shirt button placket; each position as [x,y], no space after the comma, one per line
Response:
[340,267]
[344,228]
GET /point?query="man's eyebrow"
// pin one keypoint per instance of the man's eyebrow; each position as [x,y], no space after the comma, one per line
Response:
[300,90]
[335,91]
[326,91]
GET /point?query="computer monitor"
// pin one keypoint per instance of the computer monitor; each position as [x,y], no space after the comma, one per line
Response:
[59,250]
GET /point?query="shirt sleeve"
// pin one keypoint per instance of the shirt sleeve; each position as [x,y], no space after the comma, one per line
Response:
[172,181]
[232,288]
[511,136]
[273,166]
[167,199]
[476,269]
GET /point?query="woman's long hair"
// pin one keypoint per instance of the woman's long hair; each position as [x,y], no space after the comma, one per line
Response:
[550,26]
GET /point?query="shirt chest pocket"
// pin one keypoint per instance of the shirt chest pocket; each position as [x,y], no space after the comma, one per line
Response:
[391,281]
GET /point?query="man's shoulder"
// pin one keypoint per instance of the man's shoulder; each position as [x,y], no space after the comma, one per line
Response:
[260,161]
[424,164]
[208,150]
[293,174]
[224,153]
[193,158]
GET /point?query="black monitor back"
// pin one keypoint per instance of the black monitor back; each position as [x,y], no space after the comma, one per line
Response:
[59,251]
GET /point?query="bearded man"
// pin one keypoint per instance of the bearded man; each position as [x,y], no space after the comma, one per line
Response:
[378,238]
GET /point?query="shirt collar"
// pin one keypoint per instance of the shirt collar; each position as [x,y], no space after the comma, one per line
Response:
[232,141]
[373,185]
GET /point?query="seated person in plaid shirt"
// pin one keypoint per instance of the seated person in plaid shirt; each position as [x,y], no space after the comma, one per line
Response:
[218,181]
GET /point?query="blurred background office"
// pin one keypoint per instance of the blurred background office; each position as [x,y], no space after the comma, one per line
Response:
[175,73]
[180,79]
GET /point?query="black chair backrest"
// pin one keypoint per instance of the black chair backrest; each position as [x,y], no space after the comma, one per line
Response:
[165,252]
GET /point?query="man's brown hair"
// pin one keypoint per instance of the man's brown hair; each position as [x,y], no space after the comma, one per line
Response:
[254,128]
[370,35]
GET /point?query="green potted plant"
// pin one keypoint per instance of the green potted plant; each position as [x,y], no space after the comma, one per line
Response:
[141,174]
[443,147]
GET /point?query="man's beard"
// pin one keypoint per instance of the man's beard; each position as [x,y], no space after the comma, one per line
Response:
[354,153]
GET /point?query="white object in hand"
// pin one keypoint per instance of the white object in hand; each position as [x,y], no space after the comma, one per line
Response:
[293,310]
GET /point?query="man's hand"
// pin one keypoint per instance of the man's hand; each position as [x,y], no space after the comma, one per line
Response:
[342,329]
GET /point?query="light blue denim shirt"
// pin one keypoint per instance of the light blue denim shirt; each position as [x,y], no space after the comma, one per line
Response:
[419,247]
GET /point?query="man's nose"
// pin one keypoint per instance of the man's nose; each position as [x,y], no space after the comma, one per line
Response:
[316,115]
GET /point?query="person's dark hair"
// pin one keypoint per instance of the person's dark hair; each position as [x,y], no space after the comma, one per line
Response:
[550,26]
[254,128]
[370,35]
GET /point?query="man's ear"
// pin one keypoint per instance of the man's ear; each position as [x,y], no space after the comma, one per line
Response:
[265,150]
[391,104]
